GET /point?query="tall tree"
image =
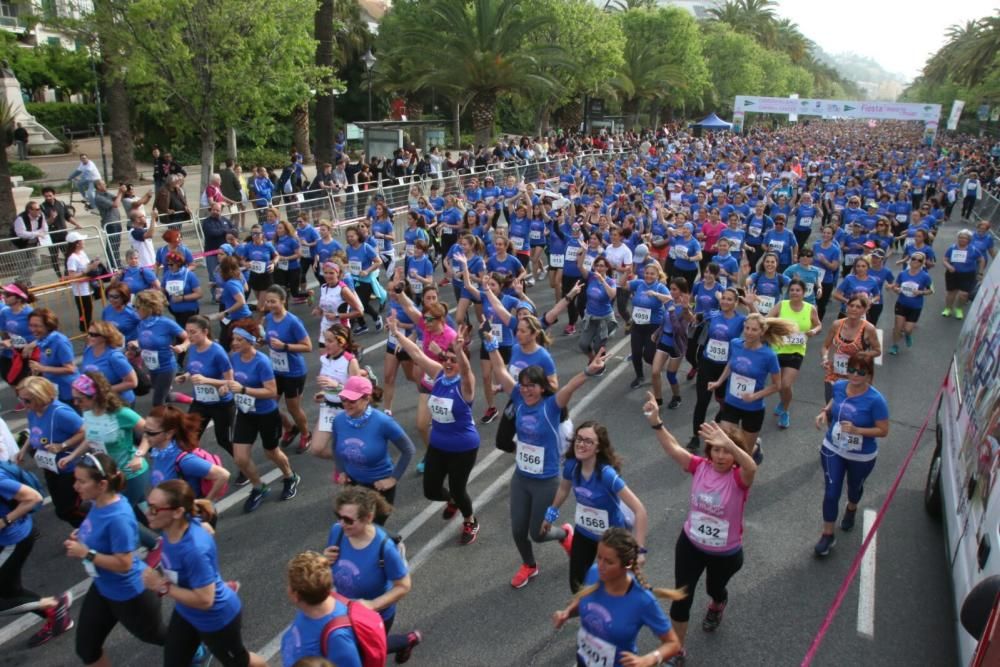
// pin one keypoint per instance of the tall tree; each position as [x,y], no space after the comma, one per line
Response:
[340,35]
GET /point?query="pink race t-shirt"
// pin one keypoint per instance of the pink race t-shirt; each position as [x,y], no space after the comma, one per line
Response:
[444,340]
[715,517]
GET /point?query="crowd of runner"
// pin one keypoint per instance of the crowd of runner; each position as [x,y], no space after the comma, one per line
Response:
[718,256]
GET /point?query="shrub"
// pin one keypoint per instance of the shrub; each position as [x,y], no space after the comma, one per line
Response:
[266,157]
[26,170]
[57,115]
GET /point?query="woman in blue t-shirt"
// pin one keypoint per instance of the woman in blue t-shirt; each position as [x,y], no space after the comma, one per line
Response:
[138,278]
[206,610]
[232,299]
[962,263]
[539,413]
[649,294]
[615,605]
[603,500]
[287,341]
[766,285]
[859,281]
[721,328]
[363,264]
[170,436]
[104,355]
[105,543]
[17,299]
[912,285]
[56,359]
[855,416]
[599,313]
[209,371]
[181,287]
[366,563]
[288,264]
[119,311]
[159,340]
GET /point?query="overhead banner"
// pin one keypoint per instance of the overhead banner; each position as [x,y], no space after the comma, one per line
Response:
[838,108]
[956,113]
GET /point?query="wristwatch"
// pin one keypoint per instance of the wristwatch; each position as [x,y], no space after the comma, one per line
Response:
[91,555]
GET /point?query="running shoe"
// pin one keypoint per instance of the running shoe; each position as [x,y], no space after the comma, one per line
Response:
[201,657]
[524,574]
[420,467]
[470,529]
[450,509]
[674,403]
[289,435]
[363,329]
[305,442]
[489,415]
[758,452]
[300,300]
[894,350]
[636,383]
[959,315]
[826,542]
[628,327]
[784,420]
[233,585]
[412,639]
[778,409]
[241,479]
[569,330]
[153,555]
[909,339]
[694,444]
[847,522]
[379,323]
[57,621]
[692,373]
[567,542]
[178,397]
[678,660]
[255,498]
[713,617]
[946,312]
[290,486]
[388,412]
[530,282]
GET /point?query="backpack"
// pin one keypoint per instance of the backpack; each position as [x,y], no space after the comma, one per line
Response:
[22,476]
[206,484]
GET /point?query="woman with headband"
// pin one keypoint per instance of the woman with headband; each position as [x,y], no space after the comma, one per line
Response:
[338,363]
[16,334]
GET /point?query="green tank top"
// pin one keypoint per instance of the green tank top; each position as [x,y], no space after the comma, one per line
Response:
[796,343]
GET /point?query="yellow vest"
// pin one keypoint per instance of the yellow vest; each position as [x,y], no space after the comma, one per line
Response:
[802,320]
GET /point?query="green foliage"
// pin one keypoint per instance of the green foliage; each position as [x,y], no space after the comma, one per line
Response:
[265,157]
[26,170]
[57,115]
[734,61]
[65,71]
[967,67]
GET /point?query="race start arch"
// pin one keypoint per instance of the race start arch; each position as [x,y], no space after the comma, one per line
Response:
[929,114]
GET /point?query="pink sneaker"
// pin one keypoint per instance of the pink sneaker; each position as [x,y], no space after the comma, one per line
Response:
[567,542]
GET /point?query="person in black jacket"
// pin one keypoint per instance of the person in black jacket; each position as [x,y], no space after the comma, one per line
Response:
[214,228]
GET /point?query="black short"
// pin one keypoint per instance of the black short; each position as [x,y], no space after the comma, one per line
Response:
[504,352]
[398,352]
[249,425]
[959,282]
[290,387]
[750,420]
[907,313]
[669,349]
[260,281]
[790,360]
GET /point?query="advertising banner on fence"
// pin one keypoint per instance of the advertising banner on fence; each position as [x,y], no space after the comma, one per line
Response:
[956,113]
[838,108]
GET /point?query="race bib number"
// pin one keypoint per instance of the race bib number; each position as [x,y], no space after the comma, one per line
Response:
[258,267]
[175,287]
[909,289]
[18,341]
[735,245]
[741,384]
[354,267]
[709,530]
[641,315]
[572,252]
[151,359]
[496,330]
[593,519]
[901,217]
[306,252]
[283,264]
[416,286]
[850,259]
[245,403]
[805,222]
[206,393]
[594,651]
[410,249]
[680,252]
[441,409]
[754,231]
[959,256]
[279,361]
[847,441]
[840,364]
[96,446]
[795,339]
[517,242]
[776,246]
[588,262]
[557,261]
[810,289]
[46,461]
[530,458]
[326,417]
[535,235]
[717,350]
[765,302]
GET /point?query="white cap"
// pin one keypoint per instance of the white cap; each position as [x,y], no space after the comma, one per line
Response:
[73,237]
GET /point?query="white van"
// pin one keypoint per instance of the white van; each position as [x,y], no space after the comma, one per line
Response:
[965,469]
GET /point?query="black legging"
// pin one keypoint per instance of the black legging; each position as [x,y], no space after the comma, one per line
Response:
[64,497]
[291,280]
[802,237]
[581,557]
[968,203]
[689,563]
[643,346]
[222,416]
[874,312]
[456,466]
[622,297]
[99,616]
[823,299]
[708,371]
[575,306]
[365,292]
[12,592]
[84,310]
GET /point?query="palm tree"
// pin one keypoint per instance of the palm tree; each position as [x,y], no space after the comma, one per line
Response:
[755,18]
[628,5]
[791,41]
[968,55]
[340,35]
[646,76]
[477,50]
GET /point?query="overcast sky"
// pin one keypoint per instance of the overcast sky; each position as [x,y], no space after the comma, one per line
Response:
[898,34]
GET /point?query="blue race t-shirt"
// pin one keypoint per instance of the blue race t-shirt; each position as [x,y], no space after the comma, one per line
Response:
[231,289]
[519,360]
[168,463]
[156,335]
[212,363]
[192,562]
[749,370]
[597,507]
[126,321]
[303,637]
[538,438]
[910,286]
[862,411]
[112,365]
[289,330]
[362,447]
[180,283]
[113,529]
[357,573]
[57,424]
[646,308]
[20,529]
[598,302]
[56,350]
[253,374]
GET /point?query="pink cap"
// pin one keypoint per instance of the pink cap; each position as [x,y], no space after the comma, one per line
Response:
[356,387]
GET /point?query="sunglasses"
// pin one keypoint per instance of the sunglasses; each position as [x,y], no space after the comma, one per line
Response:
[346,520]
[93,334]
[115,295]
[148,432]
[916,259]
[153,510]
[851,370]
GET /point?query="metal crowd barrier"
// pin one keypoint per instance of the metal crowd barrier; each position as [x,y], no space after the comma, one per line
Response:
[988,208]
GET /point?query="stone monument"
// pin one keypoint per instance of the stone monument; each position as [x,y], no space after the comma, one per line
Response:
[40,139]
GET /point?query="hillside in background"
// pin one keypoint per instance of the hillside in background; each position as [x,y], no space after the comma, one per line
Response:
[877,82]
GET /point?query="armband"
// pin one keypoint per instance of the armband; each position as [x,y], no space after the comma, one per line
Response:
[552,514]
[491,345]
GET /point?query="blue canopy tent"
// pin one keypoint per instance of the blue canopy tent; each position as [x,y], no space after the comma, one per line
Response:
[711,122]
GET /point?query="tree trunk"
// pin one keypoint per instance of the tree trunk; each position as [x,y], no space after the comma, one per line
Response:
[231,150]
[8,210]
[120,130]
[483,115]
[207,160]
[325,100]
[456,126]
[300,132]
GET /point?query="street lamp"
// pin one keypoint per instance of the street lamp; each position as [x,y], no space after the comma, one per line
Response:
[369,59]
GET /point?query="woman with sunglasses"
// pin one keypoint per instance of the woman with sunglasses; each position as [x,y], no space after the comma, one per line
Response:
[181,287]
[361,439]
[56,360]
[232,299]
[853,418]
[538,416]
[920,243]
[169,437]
[287,340]
[603,499]
[366,562]
[105,543]
[850,335]
[160,339]
[859,281]
[54,431]
[206,610]
[454,441]
[255,392]
[911,286]
[18,535]
[259,255]
[119,312]
[338,363]
[138,277]
[792,349]
[17,299]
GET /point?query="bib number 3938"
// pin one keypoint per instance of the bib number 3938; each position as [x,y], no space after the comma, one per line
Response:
[530,458]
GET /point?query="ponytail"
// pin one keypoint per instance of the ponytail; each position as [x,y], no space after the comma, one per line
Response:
[627,549]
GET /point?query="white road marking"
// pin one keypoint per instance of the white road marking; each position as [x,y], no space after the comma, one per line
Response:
[866,582]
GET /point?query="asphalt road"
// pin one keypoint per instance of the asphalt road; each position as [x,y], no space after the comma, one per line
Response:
[461,598]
